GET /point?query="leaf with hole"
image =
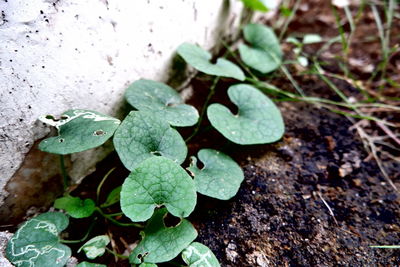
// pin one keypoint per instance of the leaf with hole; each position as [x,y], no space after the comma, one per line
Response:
[78,130]
[161,100]
[95,247]
[199,255]
[160,243]
[36,243]
[156,182]
[143,135]
[76,207]
[264,53]
[200,59]
[89,264]
[219,178]
[258,121]
[112,198]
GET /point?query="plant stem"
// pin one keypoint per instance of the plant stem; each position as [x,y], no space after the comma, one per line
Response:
[64,173]
[111,219]
[101,184]
[116,254]
[83,238]
[204,108]
[289,19]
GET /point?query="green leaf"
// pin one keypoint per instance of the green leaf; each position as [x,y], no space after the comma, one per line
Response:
[264,54]
[200,59]
[219,178]
[95,247]
[145,264]
[76,207]
[258,5]
[199,255]
[89,264]
[156,182]
[143,135]
[78,130]
[113,197]
[258,121]
[36,242]
[161,100]
[161,243]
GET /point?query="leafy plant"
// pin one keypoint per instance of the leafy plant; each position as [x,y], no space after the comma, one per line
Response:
[153,151]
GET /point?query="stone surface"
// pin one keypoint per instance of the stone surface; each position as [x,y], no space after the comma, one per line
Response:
[4,237]
[61,54]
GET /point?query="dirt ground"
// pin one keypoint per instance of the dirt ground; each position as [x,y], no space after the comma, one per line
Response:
[315,198]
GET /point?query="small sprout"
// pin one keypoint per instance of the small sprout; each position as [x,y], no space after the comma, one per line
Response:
[264,54]
[156,182]
[76,130]
[258,121]
[76,207]
[142,134]
[200,60]
[95,247]
[198,254]
[219,178]
[113,197]
[36,243]
[162,101]
[160,243]
[312,38]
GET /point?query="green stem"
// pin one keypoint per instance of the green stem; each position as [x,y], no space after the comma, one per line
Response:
[111,219]
[386,246]
[289,19]
[116,254]
[204,108]
[83,238]
[101,184]
[64,173]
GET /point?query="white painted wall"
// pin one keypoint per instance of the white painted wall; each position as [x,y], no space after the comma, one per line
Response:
[61,54]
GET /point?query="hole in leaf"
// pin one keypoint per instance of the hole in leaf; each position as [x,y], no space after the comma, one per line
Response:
[214,59]
[171,104]
[200,164]
[99,133]
[171,221]
[64,117]
[61,140]
[156,153]
[50,117]
[141,257]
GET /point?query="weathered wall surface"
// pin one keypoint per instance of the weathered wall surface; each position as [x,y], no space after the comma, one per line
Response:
[61,54]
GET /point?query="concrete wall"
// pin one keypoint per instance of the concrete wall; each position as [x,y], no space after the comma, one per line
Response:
[61,54]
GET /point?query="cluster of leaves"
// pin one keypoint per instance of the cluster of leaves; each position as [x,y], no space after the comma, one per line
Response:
[150,146]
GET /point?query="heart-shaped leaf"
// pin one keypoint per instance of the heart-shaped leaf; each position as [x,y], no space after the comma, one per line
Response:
[113,197]
[197,255]
[143,135]
[200,59]
[89,264]
[76,207]
[219,178]
[156,182]
[78,130]
[36,242]
[161,243]
[258,121]
[95,247]
[264,54]
[161,100]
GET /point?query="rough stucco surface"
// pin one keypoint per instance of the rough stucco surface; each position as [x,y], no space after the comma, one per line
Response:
[57,55]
